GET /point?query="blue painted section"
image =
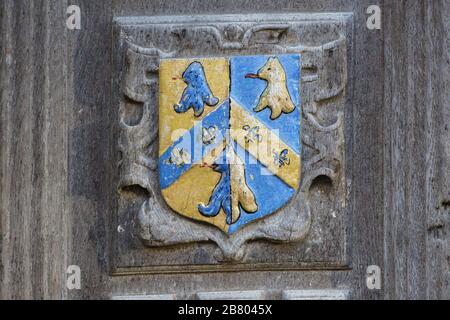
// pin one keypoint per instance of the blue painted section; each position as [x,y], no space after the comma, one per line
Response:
[221,195]
[246,92]
[191,142]
[197,92]
[271,192]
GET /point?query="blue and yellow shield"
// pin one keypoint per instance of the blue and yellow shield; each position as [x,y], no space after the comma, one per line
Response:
[229,137]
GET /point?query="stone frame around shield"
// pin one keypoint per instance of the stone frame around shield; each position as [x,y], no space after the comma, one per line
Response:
[312,231]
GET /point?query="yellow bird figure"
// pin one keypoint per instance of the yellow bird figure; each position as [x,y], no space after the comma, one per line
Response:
[276,95]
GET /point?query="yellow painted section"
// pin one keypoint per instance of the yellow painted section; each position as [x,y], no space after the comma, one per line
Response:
[195,186]
[241,194]
[191,189]
[264,150]
[173,125]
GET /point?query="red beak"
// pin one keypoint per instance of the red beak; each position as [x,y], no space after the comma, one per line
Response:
[251,75]
[212,166]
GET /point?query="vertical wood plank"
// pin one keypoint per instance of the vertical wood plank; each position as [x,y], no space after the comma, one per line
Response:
[6,61]
[414,71]
[438,135]
[33,150]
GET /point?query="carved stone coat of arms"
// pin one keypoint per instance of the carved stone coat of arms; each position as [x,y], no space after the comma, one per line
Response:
[239,117]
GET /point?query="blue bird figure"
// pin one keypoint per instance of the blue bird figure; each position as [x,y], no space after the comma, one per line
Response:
[221,196]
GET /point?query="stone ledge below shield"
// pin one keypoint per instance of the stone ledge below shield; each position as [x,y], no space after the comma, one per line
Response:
[233,295]
[145,297]
[306,294]
[323,294]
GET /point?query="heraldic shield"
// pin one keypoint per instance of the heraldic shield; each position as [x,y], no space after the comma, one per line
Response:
[229,137]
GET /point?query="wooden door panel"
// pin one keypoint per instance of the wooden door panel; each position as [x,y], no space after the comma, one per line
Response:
[76,153]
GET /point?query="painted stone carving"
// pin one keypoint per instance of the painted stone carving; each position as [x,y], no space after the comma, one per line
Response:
[217,164]
[276,94]
[197,92]
[142,47]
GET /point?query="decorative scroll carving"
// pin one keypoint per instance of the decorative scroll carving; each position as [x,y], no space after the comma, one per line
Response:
[323,83]
[234,36]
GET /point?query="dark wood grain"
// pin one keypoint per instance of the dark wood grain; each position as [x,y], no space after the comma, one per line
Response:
[416,149]
[34,216]
[57,138]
